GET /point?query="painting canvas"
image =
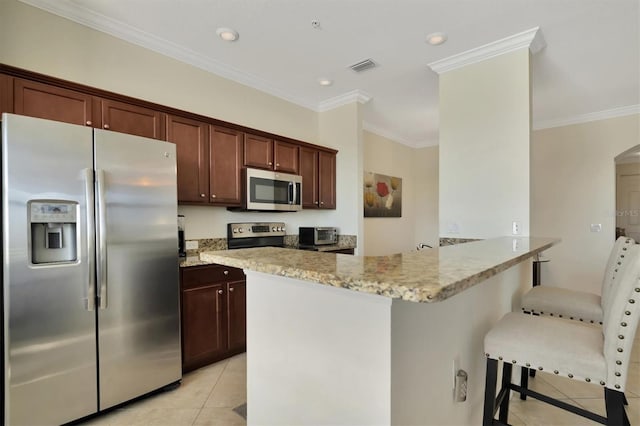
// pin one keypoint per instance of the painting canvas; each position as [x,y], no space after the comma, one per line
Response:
[382,195]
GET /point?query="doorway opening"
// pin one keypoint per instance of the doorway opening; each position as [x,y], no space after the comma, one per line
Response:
[628,193]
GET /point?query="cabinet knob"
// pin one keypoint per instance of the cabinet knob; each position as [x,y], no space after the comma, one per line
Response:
[231,289]
[316,203]
[219,291]
[225,272]
[277,164]
[213,195]
[106,126]
[202,195]
[321,202]
[269,163]
[88,123]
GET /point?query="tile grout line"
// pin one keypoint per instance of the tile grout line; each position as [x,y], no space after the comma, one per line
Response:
[210,392]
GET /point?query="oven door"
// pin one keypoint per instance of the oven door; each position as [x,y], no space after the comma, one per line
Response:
[272,191]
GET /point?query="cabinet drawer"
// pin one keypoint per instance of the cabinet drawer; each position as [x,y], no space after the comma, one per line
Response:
[198,275]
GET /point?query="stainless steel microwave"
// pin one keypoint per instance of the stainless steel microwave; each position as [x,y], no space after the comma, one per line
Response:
[265,190]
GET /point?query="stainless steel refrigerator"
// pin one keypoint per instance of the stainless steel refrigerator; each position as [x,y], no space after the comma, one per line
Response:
[89,269]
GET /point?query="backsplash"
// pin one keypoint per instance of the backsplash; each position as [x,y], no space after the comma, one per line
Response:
[453,241]
[210,244]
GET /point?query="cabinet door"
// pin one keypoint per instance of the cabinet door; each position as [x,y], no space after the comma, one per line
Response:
[309,173]
[203,330]
[191,139]
[237,315]
[258,152]
[327,180]
[225,166]
[51,102]
[131,119]
[6,93]
[285,157]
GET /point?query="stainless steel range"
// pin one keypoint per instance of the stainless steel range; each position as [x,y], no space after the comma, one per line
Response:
[255,234]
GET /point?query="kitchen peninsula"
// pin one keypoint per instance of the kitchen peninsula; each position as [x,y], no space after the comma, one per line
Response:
[338,339]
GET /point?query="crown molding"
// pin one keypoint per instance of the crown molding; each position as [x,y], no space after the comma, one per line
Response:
[344,99]
[585,118]
[77,13]
[531,39]
[372,128]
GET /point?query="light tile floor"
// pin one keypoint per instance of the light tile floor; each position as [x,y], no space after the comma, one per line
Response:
[207,397]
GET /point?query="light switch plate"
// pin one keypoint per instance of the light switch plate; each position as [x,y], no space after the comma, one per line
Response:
[192,245]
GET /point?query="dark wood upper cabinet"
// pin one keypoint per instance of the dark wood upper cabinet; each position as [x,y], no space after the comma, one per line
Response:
[192,149]
[131,119]
[285,157]
[6,93]
[318,171]
[52,103]
[309,173]
[327,180]
[210,152]
[258,151]
[225,166]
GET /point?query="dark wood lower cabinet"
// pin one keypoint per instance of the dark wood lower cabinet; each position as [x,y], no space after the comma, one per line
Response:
[213,314]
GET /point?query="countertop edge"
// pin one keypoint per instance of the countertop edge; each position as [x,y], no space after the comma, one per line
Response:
[394,290]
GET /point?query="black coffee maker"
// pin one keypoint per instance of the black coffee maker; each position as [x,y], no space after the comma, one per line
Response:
[182,251]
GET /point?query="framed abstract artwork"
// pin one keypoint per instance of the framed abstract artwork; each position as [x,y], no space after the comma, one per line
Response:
[382,195]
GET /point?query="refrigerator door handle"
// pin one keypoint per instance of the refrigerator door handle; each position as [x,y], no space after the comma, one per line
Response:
[90,300]
[101,254]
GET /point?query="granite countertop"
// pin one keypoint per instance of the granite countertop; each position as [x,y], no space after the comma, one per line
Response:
[421,276]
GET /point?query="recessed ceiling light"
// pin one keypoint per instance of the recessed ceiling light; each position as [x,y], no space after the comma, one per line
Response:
[436,38]
[325,82]
[227,34]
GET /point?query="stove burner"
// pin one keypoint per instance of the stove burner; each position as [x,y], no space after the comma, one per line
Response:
[258,234]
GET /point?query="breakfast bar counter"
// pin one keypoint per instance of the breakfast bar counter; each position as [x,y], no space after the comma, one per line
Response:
[340,339]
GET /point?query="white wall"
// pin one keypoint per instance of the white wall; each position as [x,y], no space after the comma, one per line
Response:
[484,147]
[572,187]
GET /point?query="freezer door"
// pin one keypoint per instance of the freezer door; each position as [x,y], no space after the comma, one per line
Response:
[137,259]
[49,328]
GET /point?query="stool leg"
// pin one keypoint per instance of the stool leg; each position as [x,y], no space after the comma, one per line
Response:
[506,381]
[490,392]
[524,381]
[614,401]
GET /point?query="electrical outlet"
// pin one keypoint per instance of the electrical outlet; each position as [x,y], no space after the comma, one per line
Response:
[192,245]
[460,392]
[596,227]
[515,228]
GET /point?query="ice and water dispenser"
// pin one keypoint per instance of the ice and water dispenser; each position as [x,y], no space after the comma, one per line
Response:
[53,226]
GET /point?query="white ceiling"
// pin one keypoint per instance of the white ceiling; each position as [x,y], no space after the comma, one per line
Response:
[590,67]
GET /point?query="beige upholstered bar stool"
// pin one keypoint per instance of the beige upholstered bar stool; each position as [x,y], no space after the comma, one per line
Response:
[596,355]
[578,305]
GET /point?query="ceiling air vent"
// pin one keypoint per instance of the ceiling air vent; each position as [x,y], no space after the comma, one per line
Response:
[367,64]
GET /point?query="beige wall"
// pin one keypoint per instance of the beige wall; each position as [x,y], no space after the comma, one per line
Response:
[387,235]
[484,147]
[418,169]
[36,40]
[572,187]
[426,171]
